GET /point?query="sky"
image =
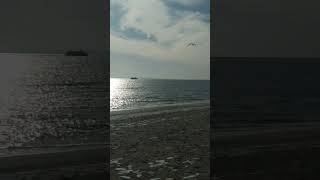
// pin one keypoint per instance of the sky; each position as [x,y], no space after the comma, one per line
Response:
[273,28]
[53,26]
[149,39]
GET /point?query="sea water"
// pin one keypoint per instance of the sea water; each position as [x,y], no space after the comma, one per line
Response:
[46,99]
[142,93]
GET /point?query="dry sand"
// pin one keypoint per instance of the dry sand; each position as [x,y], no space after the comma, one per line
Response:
[167,145]
[73,163]
[288,151]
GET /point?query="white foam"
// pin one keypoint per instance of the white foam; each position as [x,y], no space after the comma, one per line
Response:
[153,110]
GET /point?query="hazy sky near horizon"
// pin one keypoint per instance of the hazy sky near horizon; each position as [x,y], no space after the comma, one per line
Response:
[149,38]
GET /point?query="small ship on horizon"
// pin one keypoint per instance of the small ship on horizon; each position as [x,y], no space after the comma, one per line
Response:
[76,53]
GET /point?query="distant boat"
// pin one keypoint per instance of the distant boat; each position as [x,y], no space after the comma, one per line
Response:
[133,78]
[76,53]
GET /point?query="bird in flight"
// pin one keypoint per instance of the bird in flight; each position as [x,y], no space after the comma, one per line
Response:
[191,44]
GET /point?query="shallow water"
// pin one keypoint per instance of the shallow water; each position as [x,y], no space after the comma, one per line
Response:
[134,94]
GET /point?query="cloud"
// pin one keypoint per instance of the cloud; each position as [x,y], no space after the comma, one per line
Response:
[171,29]
[187,2]
[148,16]
[126,66]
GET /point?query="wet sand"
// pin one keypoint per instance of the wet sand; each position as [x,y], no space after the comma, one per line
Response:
[166,144]
[69,162]
[277,151]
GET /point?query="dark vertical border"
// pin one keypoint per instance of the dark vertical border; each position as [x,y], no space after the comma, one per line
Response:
[212,25]
[107,58]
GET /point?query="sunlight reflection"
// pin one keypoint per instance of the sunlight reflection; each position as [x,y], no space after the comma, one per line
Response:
[116,86]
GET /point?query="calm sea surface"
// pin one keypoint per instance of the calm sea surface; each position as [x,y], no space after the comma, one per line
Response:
[138,93]
[52,99]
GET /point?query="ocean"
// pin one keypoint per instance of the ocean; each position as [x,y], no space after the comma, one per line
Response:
[126,94]
[51,100]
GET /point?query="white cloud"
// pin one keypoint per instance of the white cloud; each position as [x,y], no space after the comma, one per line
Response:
[153,18]
[148,16]
[187,2]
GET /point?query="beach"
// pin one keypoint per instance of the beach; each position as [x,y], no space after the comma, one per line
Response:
[263,141]
[165,142]
[70,162]
[269,151]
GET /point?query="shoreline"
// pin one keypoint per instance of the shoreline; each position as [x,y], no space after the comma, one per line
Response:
[163,105]
[156,108]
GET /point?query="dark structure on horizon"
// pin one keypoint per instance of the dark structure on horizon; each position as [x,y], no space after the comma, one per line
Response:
[76,53]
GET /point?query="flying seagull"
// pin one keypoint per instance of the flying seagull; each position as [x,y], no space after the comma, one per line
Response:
[191,44]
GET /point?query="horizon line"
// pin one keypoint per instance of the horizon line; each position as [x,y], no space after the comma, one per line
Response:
[261,57]
[265,59]
[160,78]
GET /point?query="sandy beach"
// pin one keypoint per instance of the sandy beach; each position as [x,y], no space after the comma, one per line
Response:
[69,162]
[272,151]
[160,143]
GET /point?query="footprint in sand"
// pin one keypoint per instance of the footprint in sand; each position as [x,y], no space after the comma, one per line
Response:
[125,171]
[115,161]
[157,163]
[169,158]
[125,177]
[191,176]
